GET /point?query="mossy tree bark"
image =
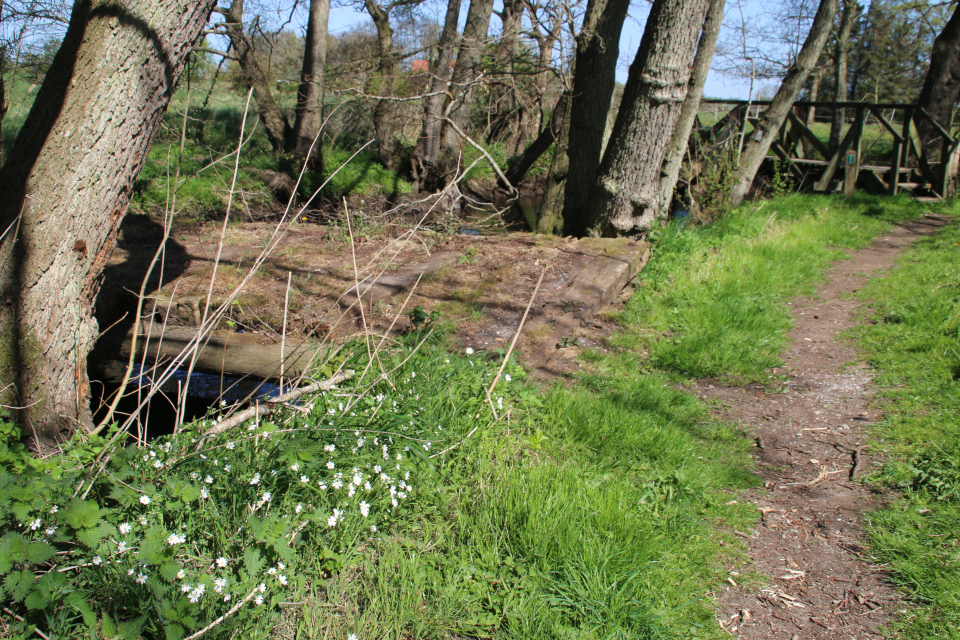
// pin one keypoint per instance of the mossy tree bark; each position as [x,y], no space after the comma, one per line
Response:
[941,87]
[383,84]
[763,136]
[625,191]
[680,139]
[65,189]
[598,47]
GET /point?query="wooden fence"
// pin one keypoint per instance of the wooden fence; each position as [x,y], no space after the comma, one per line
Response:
[924,170]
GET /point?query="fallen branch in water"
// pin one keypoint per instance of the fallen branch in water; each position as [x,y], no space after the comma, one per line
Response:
[267,407]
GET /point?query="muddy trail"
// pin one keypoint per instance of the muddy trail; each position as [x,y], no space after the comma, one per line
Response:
[812,449]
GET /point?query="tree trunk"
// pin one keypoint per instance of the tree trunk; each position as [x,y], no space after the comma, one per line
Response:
[840,55]
[816,78]
[941,87]
[510,118]
[679,141]
[550,213]
[384,118]
[598,47]
[773,118]
[465,74]
[423,161]
[278,130]
[625,192]
[65,189]
[547,137]
[309,110]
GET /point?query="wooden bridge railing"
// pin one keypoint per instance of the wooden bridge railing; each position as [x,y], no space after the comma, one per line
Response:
[798,146]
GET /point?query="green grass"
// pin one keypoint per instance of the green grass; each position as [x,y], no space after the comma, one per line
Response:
[913,342]
[720,292]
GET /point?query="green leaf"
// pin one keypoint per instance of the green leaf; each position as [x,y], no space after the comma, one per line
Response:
[252,562]
[91,538]
[108,627]
[36,600]
[190,493]
[13,550]
[174,632]
[169,571]
[39,552]
[82,514]
[18,584]
[131,629]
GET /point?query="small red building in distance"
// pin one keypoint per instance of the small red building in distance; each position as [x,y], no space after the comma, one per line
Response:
[421,66]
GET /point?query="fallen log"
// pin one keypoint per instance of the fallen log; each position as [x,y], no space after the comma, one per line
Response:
[232,354]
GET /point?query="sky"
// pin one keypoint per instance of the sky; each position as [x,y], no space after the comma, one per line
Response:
[718,85]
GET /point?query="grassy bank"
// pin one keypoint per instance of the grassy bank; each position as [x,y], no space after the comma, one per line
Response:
[913,341]
[407,504]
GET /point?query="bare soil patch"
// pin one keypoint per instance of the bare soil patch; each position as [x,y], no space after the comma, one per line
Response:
[811,448]
[479,284]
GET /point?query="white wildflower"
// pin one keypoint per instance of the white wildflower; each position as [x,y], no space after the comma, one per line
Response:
[469,351]
[295,467]
[181,575]
[197,592]
[282,579]
[364,509]
[331,465]
[222,562]
[255,479]
[203,493]
[219,584]
[208,479]
[175,538]
[122,547]
[298,508]
[54,509]
[304,478]
[230,445]
[97,560]
[157,464]
[144,499]
[258,600]
[141,578]
[36,524]
[330,448]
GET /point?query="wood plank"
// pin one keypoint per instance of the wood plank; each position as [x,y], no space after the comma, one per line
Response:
[936,125]
[783,155]
[824,181]
[802,128]
[880,117]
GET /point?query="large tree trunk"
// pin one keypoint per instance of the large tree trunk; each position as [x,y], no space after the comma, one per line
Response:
[384,117]
[625,192]
[279,132]
[550,213]
[598,47]
[679,141]
[65,189]
[465,75]
[941,87]
[765,133]
[840,56]
[423,161]
[309,111]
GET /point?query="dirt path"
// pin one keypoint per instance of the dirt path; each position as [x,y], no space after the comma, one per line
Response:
[810,441]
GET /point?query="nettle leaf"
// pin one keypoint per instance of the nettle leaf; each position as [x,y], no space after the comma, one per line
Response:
[190,493]
[174,632]
[18,584]
[108,627]
[169,571]
[22,511]
[13,550]
[36,600]
[252,562]
[82,514]
[39,552]
[153,549]
[127,498]
[92,538]
[131,629]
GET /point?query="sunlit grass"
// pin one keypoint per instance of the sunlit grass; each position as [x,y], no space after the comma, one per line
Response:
[913,341]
